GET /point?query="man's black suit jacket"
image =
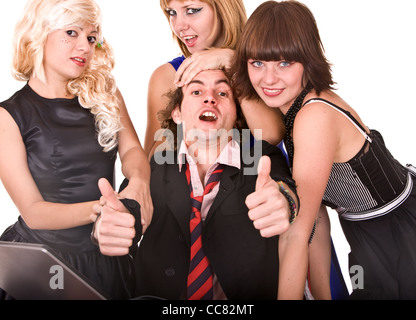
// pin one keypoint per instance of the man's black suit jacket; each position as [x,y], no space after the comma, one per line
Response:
[246,264]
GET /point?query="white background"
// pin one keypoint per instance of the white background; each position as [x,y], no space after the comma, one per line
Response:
[371,44]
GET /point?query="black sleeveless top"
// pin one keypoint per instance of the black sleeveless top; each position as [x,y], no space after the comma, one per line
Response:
[64,158]
[371,184]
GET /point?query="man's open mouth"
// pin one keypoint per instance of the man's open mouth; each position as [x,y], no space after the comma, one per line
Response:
[208,116]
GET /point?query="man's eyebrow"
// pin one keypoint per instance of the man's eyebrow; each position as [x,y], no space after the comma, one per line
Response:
[222,81]
[195,81]
[202,83]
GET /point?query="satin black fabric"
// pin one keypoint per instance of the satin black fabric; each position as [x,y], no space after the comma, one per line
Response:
[66,162]
[384,250]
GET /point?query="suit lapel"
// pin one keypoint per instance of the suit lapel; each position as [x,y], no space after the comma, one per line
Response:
[178,198]
[226,187]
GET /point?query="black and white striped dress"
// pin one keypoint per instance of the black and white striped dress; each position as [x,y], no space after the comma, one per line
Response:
[375,198]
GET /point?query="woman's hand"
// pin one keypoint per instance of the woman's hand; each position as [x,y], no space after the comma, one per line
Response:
[210,59]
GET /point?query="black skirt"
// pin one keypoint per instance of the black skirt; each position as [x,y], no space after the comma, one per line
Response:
[383,253]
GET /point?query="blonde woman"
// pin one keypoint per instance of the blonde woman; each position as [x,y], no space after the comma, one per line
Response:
[198,25]
[61,132]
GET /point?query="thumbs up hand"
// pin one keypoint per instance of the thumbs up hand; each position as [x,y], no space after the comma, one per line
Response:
[109,195]
[268,208]
[263,177]
[114,228]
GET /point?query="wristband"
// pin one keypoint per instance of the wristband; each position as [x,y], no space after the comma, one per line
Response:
[292,203]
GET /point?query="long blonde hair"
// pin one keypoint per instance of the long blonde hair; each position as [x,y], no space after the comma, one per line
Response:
[96,87]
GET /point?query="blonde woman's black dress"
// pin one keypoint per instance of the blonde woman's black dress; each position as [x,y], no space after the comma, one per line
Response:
[66,162]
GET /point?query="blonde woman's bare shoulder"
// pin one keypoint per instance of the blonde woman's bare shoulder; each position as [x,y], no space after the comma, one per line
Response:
[5,116]
[9,128]
[163,73]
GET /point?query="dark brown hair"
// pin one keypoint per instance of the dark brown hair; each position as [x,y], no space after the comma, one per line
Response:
[279,31]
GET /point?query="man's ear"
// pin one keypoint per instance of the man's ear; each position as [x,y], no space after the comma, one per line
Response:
[176,115]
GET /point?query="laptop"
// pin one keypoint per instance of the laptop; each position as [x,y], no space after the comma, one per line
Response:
[34,272]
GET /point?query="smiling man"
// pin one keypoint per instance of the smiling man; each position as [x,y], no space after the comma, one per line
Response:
[209,235]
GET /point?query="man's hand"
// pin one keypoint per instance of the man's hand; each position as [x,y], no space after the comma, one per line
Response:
[268,208]
[140,191]
[114,229]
